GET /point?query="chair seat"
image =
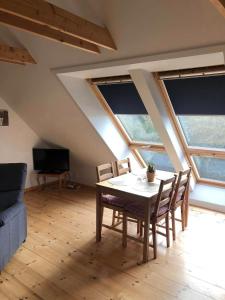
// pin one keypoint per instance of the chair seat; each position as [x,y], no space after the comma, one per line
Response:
[113,200]
[138,210]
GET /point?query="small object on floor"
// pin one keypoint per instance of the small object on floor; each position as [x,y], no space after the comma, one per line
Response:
[73,186]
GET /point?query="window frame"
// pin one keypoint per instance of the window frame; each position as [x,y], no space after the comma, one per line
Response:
[190,151]
[134,146]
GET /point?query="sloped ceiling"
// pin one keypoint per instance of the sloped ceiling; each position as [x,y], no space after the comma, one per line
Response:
[138,28]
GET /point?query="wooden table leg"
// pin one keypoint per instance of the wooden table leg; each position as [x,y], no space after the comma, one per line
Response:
[44,182]
[146,232]
[98,215]
[38,181]
[60,182]
[186,206]
[124,243]
[65,179]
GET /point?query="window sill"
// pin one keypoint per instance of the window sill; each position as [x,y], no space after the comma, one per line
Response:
[209,197]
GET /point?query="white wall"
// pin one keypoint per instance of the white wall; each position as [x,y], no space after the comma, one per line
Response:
[39,98]
[17,141]
[87,101]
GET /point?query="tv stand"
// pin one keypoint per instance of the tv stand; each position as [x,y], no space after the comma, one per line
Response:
[62,176]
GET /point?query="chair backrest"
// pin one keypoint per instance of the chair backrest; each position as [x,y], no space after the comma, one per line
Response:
[181,188]
[123,166]
[165,196]
[104,172]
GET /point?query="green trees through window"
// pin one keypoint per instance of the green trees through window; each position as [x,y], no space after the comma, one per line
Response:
[159,159]
[210,168]
[140,128]
[204,131]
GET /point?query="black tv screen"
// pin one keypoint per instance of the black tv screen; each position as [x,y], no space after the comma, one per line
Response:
[51,160]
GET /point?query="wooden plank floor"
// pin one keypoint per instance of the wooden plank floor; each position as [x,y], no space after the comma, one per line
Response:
[60,259]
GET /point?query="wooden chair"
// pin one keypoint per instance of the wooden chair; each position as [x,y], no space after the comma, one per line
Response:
[180,195]
[160,211]
[123,166]
[104,172]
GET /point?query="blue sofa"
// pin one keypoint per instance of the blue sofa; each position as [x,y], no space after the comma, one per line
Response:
[13,217]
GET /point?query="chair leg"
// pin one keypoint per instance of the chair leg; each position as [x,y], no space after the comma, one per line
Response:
[138,227]
[173,224]
[124,242]
[167,231]
[102,212]
[154,239]
[182,218]
[141,228]
[114,217]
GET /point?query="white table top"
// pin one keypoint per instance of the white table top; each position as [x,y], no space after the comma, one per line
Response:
[136,183]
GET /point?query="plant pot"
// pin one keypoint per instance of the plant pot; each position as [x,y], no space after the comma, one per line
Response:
[150,176]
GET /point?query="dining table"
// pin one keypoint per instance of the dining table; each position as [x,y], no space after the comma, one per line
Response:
[132,186]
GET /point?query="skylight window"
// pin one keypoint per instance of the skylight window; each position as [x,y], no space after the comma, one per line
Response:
[210,168]
[199,105]
[204,131]
[125,105]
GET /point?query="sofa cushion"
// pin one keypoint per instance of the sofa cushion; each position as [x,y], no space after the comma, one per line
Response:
[113,200]
[12,176]
[138,210]
[8,199]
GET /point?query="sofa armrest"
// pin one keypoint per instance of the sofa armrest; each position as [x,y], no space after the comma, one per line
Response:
[11,212]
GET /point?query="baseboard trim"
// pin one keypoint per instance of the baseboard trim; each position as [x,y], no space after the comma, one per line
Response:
[37,187]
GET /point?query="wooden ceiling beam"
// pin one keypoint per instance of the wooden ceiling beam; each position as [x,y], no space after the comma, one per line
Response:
[47,32]
[220,6]
[44,13]
[15,55]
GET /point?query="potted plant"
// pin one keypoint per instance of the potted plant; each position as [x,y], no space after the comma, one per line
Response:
[150,172]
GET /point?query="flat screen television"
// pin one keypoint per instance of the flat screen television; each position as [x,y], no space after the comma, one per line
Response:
[51,160]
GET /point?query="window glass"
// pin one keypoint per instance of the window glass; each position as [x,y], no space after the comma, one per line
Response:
[139,128]
[210,168]
[204,131]
[159,159]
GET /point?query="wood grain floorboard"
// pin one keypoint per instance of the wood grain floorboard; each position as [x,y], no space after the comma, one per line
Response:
[61,260]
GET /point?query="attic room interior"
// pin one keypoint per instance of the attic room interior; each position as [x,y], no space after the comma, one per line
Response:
[112,149]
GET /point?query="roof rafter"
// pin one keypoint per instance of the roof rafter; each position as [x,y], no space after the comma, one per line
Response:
[49,15]
[47,32]
[15,55]
[220,6]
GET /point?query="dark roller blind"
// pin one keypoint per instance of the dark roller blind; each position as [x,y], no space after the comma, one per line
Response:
[123,98]
[197,96]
